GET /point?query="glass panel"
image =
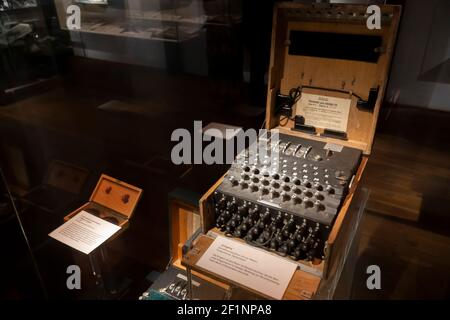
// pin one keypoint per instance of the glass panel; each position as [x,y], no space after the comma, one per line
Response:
[99,89]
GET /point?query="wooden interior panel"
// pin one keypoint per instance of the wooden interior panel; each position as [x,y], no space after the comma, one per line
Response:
[182,226]
[181,223]
[291,71]
[113,199]
[117,195]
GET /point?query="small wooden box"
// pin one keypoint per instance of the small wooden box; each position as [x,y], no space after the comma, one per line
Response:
[112,200]
[355,76]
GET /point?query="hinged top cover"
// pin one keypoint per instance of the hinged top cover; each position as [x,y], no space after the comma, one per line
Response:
[116,195]
[332,50]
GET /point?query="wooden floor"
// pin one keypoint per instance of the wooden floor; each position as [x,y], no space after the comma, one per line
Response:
[406,229]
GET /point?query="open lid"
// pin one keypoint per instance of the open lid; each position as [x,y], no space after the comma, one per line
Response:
[116,195]
[328,50]
[65,176]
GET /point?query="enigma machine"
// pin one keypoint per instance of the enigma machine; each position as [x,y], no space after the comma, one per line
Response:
[289,205]
[292,193]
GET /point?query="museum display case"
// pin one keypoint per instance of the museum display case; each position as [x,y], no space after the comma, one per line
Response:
[176,30]
[128,131]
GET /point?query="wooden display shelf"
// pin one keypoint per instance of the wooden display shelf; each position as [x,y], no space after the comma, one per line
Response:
[174,18]
[113,30]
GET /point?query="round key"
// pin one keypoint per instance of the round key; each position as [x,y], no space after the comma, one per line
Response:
[319,206]
[318,186]
[273,244]
[329,189]
[237,233]
[283,249]
[249,237]
[318,196]
[308,203]
[285,196]
[296,200]
[297,254]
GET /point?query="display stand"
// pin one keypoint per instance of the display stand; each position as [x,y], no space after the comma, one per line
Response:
[114,201]
[108,285]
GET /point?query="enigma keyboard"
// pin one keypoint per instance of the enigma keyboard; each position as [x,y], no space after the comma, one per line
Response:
[284,193]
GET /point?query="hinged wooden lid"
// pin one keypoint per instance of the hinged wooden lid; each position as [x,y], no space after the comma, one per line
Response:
[116,195]
[328,49]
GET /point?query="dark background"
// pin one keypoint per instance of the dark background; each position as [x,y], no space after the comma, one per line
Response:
[53,87]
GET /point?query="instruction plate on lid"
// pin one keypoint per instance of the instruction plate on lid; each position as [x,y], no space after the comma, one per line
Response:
[324,111]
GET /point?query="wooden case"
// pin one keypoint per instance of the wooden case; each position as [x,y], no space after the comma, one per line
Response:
[322,76]
[113,199]
[183,217]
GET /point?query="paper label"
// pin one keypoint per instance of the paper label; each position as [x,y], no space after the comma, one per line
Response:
[251,267]
[333,147]
[324,112]
[84,232]
[221,131]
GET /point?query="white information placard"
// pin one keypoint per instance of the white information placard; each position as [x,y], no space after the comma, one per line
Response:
[84,232]
[324,112]
[251,267]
